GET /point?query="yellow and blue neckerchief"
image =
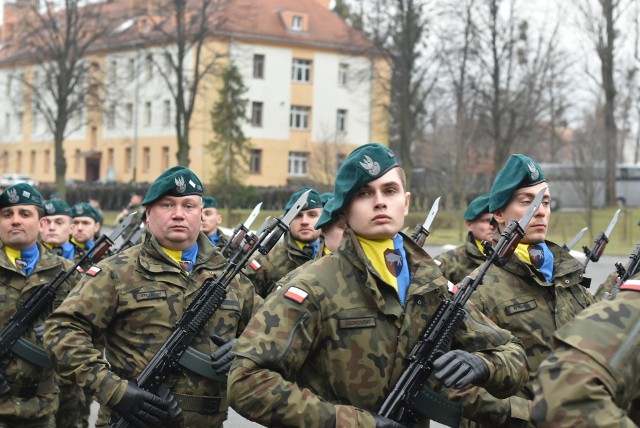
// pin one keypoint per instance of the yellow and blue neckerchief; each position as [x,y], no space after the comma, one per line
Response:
[66,250]
[389,259]
[215,238]
[186,259]
[83,245]
[522,251]
[24,260]
[314,246]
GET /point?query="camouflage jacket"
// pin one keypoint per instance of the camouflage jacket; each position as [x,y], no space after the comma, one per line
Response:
[327,348]
[267,269]
[607,285]
[461,261]
[592,378]
[518,298]
[15,288]
[132,301]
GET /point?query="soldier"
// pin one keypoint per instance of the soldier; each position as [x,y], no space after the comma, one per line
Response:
[134,206]
[86,223]
[537,290]
[592,377]
[300,244]
[211,218]
[461,261]
[132,301]
[326,348]
[56,228]
[25,265]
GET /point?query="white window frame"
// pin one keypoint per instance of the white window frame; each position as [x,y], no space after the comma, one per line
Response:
[257,110]
[128,115]
[296,23]
[301,71]
[299,118]
[166,113]
[258,66]
[255,162]
[343,75]
[341,120]
[298,164]
[147,113]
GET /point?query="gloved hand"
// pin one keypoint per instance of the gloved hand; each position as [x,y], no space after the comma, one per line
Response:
[460,368]
[39,331]
[142,408]
[222,358]
[382,422]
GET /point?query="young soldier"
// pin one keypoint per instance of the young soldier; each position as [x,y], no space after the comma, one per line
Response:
[592,377]
[56,228]
[539,289]
[327,348]
[300,244]
[461,261]
[211,218]
[132,302]
[86,223]
[25,265]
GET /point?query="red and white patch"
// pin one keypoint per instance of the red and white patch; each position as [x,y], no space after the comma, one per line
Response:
[79,269]
[255,265]
[453,288]
[295,294]
[93,271]
[631,284]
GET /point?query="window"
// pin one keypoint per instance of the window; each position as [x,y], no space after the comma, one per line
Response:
[94,137]
[255,163]
[5,159]
[32,162]
[128,160]
[301,70]
[298,163]
[128,115]
[341,121]
[113,71]
[299,117]
[76,163]
[147,113]
[166,113]
[167,64]
[19,160]
[34,120]
[343,75]
[8,87]
[111,116]
[131,69]
[146,159]
[340,158]
[256,113]
[258,66]
[110,159]
[296,23]
[149,66]
[47,161]
[7,123]
[165,158]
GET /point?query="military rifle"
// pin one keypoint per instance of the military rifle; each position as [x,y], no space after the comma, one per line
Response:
[238,234]
[624,273]
[421,232]
[11,339]
[436,339]
[575,239]
[211,295]
[601,241]
[129,240]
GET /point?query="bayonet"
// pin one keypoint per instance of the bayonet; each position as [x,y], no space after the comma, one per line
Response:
[600,243]
[575,239]
[421,232]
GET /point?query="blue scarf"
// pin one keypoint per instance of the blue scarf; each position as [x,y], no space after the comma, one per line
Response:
[189,257]
[215,238]
[403,279]
[68,250]
[28,259]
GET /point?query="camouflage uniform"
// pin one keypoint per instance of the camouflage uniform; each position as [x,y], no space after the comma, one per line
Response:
[607,285]
[134,302]
[340,350]
[592,378]
[461,261]
[282,259]
[34,395]
[517,298]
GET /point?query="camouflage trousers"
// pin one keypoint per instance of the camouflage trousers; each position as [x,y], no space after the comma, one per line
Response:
[13,422]
[184,420]
[72,401]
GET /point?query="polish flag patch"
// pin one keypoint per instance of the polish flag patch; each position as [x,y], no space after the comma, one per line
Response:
[453,288]
[631,284]
[93,271]
[255,265]
[295,294]
[79,269]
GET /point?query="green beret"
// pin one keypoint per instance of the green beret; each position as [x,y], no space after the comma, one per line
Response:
[83,209]
[21,194]
[364,164]
[313,201]
[477,207]
[209,202]
[324,197]
[519,171]
[176,181]
[56,207]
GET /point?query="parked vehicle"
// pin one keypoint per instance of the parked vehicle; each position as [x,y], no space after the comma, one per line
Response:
[10,179]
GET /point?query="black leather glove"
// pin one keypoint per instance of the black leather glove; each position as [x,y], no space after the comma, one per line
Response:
[142,408]
[222,358]
[382,422]
[460,368]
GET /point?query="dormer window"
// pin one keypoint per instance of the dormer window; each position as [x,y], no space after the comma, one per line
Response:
[296,23]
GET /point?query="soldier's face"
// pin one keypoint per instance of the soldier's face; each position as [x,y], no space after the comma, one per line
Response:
[175,221]
[302,227]
[84,228]
[55,229]
[481,227]
[536,231]
[377,210]
[19,226]
[210,220]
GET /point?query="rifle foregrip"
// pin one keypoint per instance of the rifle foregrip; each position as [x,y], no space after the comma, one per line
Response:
[598,247]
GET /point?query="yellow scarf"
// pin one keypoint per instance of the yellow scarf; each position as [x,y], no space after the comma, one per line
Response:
[522,251]
[374,250]
[12,254]
[176,256]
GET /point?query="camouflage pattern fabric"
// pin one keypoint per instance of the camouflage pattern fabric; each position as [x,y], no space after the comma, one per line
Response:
[607,285]
[326,349]
[131,301]
[461,261]
[517,298]
[592,378]
[15,288]
[284,257]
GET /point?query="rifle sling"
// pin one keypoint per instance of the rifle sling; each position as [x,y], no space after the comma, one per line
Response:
[31,352]
[200,363]
[438,408]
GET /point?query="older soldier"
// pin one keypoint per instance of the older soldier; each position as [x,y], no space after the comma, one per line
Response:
[592,377]
[300,244]
[25,265]
[133,300]
[211,219]
[326,349]
[56,228]
[461,261]
[539,289]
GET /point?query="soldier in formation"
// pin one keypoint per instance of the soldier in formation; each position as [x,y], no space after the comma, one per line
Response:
[56,228]
[211,219]
[86,223]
